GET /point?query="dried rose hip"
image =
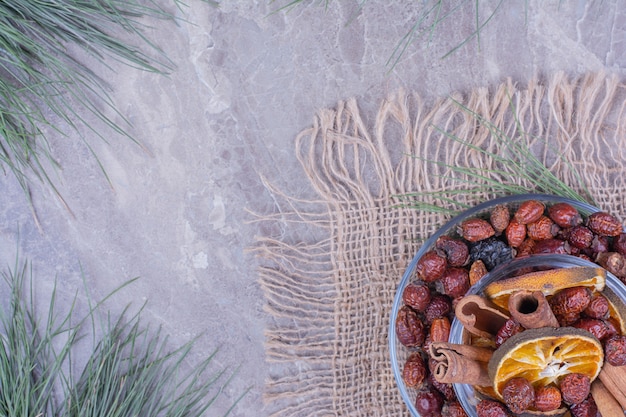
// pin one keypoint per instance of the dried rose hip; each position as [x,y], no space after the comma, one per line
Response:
[476,229]
[586,408]
[440,329]
[453,409]
[604,224]
[564,214]
[515,233]
[574,388]
[580,237]
[440,306]
[414,371]
[455,282]
[518,394]
[447,390]
[615,350]
[526,248]
[455,250]
[490,408]
[598,307]
[477,271]
[416,296]
[499,218]
[619,244]
[409,328]
[529,211]
[547,398]
[570,301]
[555,246]
[596,327]
[431,266]
[541,229]
[510,328]
[612,326]
[600,244]
[429,402]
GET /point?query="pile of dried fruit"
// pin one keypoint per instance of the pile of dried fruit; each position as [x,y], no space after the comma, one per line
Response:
[445,273]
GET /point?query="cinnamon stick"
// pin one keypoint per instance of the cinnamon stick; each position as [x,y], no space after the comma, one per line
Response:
[531,309]
[614,379]
[479,316]
[606,402]
[457,363]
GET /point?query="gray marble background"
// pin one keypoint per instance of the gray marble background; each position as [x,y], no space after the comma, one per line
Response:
[247,80]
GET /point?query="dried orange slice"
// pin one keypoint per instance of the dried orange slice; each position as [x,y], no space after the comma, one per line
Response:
[544,355]
[617,308]
[548,282]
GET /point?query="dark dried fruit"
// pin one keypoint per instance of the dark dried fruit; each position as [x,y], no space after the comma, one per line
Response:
[455,250]
[565,215]
[429,402]
[613,262]
[499,218]
[586,408]
[510,328]
[518,394]
[414,371]
[541,229]
[455,282]
[526,248]
[574,388]
[604,224]
[619,244]
[453,409]
[567,319]
[490,408]
[409,328]
[555,246]
[416,296]
[515,233]
[570,301]
[477,271]
[431,266]
[580,237]
[492,252]
[598,307]
[612,325]
[440,329]
[596,327]
[615,350]
[600,244]
[440,306]
[547,398]
[529,211]
[447,390]
[476,229]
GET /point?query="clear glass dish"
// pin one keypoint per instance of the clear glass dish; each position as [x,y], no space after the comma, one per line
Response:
[398,352]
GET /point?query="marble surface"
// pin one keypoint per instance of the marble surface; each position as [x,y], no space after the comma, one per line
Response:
[248,78]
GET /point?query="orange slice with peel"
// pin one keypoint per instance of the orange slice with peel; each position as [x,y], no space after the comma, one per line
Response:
[617,308]
[544,355]
[548,282]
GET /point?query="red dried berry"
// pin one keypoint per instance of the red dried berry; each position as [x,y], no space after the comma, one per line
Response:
[529,211]
[510,328]
[547,398]
[586,408]
[598,307]
[453,409]
[416,296]
[619,244]
[574,388]
[615,350]
[499,218]
[476,229]
[596,327]
[414,371]
[490,408]
[518,394]
[600,244]
[541,229]
[429,402]
[455,282]
[440,329]
[455,250]
[555,246]
[612,325]
[604,224]
[409,328]
[515,233]
[440,306]
[447,390]
[431,266]
[570,301]
[526,248]
[580,237]
[565,215]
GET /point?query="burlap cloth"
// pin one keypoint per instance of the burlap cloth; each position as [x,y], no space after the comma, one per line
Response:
[329,289]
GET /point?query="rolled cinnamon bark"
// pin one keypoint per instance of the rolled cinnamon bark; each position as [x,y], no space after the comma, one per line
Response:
[464,364]
[614,380]
[531,310]
[479,316]
[606,402]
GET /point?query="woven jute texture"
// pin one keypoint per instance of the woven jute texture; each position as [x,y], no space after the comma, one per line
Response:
[330,284]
